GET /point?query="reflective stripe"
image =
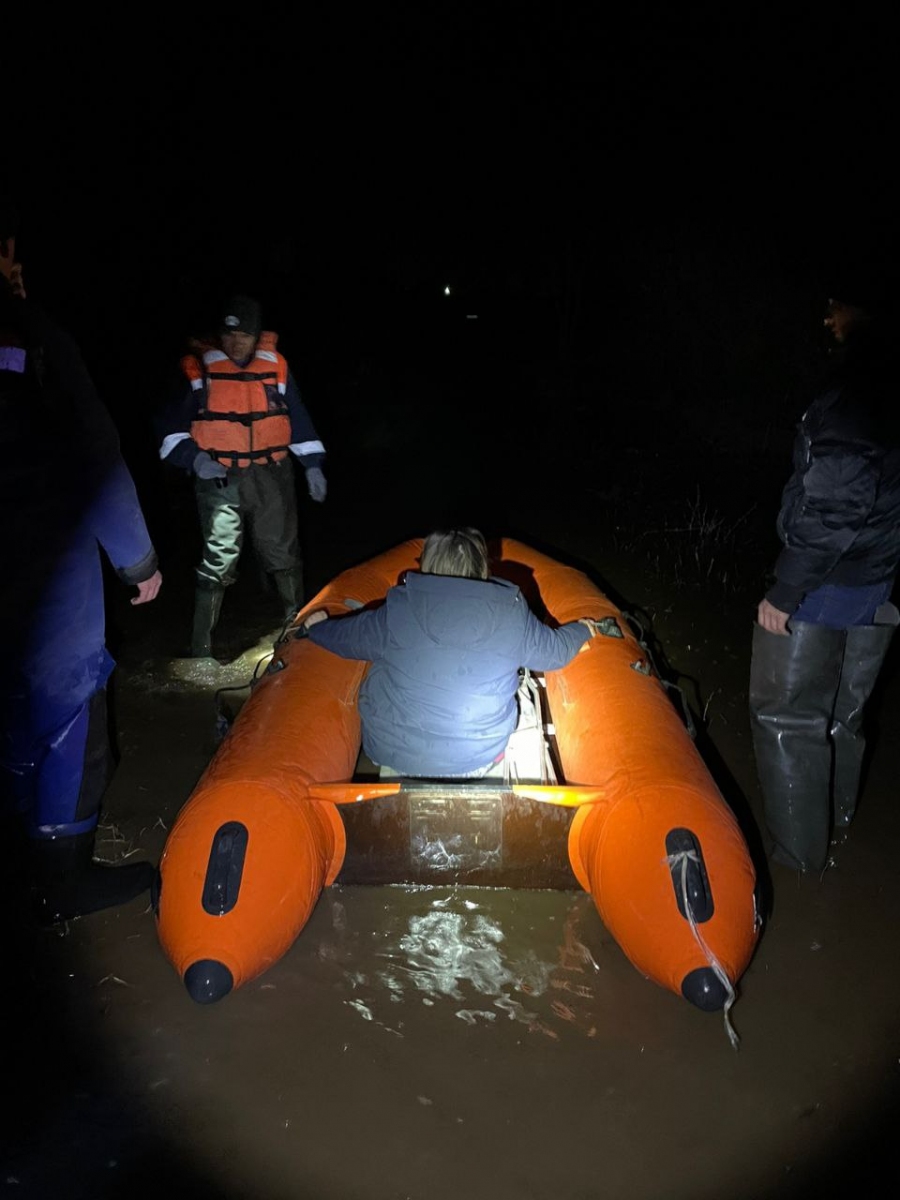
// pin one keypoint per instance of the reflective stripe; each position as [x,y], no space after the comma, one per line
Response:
[303,448]
[170,442]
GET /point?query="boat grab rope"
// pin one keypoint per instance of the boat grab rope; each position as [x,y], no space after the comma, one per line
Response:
[223,721]
[640,635]
[681,859]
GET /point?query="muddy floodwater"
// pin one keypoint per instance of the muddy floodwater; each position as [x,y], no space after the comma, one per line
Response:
[430,1043]
[421,1042]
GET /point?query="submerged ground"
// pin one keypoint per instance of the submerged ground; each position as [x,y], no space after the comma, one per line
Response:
[421,1044]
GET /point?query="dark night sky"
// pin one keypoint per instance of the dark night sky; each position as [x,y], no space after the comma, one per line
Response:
[344,165]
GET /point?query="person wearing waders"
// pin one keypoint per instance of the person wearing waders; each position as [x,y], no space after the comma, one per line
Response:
[65,495]
[825,625]
[237,428]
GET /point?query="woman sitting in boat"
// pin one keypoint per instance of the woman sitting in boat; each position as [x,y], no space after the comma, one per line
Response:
[439,700]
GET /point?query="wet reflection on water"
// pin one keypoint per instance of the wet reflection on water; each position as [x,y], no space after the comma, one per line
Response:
[466,946]
[431,1041]
[457,951]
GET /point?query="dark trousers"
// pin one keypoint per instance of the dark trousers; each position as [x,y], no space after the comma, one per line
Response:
[808,693]
[257,502]
[56,786]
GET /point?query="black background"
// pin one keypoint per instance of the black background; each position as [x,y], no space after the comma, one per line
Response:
[645,209]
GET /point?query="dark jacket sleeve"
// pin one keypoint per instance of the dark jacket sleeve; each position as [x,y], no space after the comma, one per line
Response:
[173,427]
[825,504]
[305,442]
[361,635]
[546,649]
[105,490]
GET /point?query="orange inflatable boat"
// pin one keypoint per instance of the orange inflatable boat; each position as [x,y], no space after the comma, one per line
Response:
[620,803]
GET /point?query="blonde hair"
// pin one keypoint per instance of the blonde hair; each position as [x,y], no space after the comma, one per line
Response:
[460,552]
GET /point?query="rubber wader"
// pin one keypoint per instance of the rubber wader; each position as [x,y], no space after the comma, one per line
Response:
[207,607]
[289,585]
[864,654]
[793,687]
[68,882]
[808,693]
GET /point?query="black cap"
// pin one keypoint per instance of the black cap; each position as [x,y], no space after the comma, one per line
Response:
[242,315]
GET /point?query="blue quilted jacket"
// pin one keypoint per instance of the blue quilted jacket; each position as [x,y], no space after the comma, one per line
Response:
[440,696]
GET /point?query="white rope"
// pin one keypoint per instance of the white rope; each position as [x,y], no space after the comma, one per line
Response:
[682,859]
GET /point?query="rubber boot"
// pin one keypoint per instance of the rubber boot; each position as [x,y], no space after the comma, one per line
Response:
[793,685]
[289,585]
[67,882]
[207,607]
[864,654]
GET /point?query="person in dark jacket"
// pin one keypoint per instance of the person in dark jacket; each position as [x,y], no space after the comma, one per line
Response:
[237,427]
[439,700]
[65,493]
[826,623]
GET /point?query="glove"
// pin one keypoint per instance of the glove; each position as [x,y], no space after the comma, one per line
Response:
[207,468]
[315,481]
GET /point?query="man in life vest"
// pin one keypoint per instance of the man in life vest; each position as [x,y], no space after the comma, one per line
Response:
[236,428]
[65,493]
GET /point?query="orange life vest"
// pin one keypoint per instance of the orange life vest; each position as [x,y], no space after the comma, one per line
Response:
[242,416]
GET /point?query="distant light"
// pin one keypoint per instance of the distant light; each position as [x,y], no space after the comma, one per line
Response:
[471,316]
[446,291]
